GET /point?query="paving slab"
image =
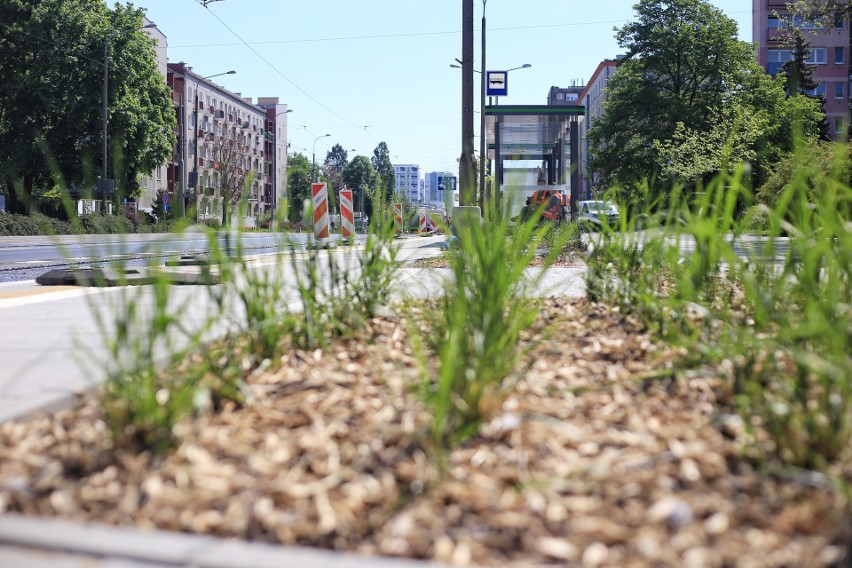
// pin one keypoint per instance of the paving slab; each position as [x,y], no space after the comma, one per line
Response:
[33,542]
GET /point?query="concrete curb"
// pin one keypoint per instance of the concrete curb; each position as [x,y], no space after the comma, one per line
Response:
[167,549]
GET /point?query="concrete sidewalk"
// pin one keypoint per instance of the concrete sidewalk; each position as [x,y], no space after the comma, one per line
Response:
[47,332]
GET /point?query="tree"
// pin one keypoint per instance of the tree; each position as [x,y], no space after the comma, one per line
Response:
[362,178]
[233,177]
[800,76]
[822,10]
[383,166]
[51,61]
[335,161]
[686,71]
[298,184]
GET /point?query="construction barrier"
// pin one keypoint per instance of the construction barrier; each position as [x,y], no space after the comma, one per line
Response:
[424,220]
[397,217]
[347,215]
[319,191]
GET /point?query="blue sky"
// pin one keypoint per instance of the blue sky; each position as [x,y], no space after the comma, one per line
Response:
[375,71]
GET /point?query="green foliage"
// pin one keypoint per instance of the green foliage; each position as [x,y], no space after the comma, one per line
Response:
[387,175]
[690,100]
[807,167]
[142,403]
[774,310]
[362,177]
[478,323]
[33,224]
[55,96]
[298,185]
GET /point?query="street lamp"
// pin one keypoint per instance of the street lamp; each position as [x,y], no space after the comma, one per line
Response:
[105,117]
[181,204]
[314,156]
[482,196]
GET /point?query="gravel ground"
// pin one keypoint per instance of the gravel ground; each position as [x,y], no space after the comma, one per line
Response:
[604,454]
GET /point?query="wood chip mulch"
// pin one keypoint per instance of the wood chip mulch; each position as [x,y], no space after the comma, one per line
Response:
[604,454]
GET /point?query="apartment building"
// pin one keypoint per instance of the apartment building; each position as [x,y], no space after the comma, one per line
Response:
[155,180]
[829,42]
[593,97]
[565,96]
[275,139]
[408,182]
[213,120]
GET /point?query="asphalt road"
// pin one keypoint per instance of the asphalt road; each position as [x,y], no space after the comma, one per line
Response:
[24,258]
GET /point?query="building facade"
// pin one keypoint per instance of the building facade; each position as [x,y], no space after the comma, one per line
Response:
[408,182]
[593,97]
[220,135]
[829,44]
[565,96]
[275,139]
[156,180]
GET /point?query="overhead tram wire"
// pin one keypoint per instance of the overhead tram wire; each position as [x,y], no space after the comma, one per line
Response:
[274,68]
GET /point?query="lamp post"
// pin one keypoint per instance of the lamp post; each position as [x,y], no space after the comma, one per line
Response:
[483,196]
[105,102]
[314,156]
[181,204]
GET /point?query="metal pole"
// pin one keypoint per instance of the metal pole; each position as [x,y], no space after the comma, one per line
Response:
[466,174]
[105,118]
[483,193]
[314,157]
[182,154]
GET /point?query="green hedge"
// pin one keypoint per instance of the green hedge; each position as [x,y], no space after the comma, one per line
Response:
[38,224]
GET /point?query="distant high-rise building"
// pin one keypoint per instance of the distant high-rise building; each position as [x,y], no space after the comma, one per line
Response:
[408,182]
[829,44]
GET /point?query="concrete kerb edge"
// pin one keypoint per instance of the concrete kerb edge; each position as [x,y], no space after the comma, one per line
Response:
[175,549]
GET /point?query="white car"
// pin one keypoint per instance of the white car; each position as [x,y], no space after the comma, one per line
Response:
[594,212]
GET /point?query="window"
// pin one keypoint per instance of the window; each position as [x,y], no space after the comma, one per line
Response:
[839,90]
[839,125]
[817,56]
[838,55]
[819,91]
[777,58]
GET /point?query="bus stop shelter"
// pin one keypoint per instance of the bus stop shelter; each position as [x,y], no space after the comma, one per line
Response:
[542,133]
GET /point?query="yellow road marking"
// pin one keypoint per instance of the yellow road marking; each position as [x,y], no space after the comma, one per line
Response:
[36,291]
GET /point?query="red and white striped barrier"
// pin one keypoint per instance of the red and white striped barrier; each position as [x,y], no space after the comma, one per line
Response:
[347,214]
[319,191]
[397,217]
[424,220]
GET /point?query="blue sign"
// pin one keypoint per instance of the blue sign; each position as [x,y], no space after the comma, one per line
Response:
[446,183]
[498,83]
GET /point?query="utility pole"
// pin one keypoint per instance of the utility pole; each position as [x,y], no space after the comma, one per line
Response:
[467,194]
[484,195]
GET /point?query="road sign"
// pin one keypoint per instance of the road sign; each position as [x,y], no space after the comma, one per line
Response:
[441,183]
[498,83]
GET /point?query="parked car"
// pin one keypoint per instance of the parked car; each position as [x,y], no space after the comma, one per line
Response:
[593,213]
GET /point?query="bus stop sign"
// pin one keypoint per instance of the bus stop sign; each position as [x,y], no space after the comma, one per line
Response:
[498,83]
